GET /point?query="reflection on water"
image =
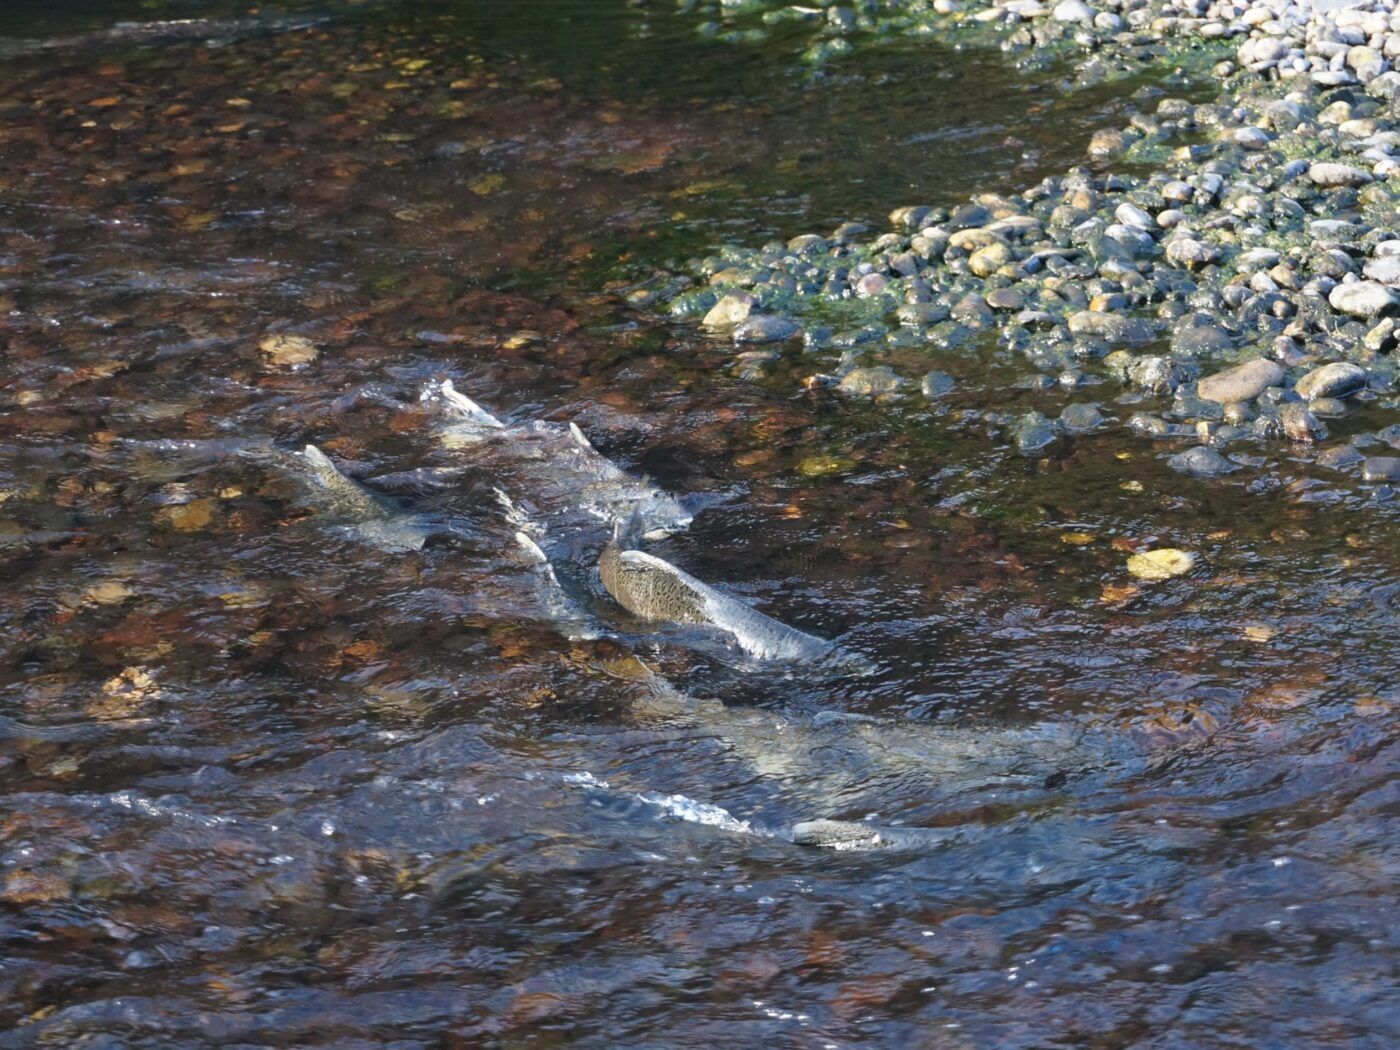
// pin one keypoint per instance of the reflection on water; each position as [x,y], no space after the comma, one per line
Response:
[268,783]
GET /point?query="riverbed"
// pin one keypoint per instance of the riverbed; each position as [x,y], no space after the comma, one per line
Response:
[266,784]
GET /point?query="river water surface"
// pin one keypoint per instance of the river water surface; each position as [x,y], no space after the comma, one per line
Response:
[264,784]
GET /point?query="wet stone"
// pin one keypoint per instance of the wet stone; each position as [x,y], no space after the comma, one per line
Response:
[1381,468]
[1114,329]
[869,382]
[1340,457]
[731,310]
[1201,461]
[1335,380]
[1244,382]
[1201,340]
[1299,424]
[766,329]
[937,384]
[1081,417]
[1032,433]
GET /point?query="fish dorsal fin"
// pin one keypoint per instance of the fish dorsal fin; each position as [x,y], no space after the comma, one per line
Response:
[579,438]
[532,549]
[463,405]
[515,514]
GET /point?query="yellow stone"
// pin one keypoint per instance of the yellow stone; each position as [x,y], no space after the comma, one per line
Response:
[486,185]
[1259,633]
[283,349]
[1161,564]
[820,466]
[190,517]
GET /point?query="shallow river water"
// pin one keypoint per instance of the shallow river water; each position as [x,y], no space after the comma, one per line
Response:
[265,784]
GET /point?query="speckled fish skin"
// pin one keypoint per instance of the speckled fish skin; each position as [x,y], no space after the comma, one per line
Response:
[654,589]
[362,514]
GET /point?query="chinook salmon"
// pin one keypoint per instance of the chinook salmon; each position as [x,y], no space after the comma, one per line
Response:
[556,603]
[556,465]
[361,514]
[170,31]
[654,589]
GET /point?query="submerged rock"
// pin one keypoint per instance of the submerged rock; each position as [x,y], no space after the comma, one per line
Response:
[937,384]
[1381,468]
[1161,564]
[763,328]
[1201,461]
[868,382]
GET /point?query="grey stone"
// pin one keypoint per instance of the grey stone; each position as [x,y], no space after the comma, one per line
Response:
[1381,468]
[1202,461]
[1114,329]
[1244,382]
[1299,424]
[766,329]
[1335,380]
[1078,418]
[936,384]
[868,382]
[1327,174]
[1340,457]
[1362,298]
[1201,339]
[1032,433]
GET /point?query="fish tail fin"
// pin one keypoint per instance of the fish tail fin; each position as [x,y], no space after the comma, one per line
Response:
[515,514]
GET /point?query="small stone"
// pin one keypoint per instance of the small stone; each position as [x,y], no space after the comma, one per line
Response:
[1386,269]
[1072,11]
[1335,380]
[1299,424]
[1032,433]
[1157,375]
[763,328]
[1381,468]
[987,260]
[869,382]
[1201,340]
[1201,461]
[1009,299]
[1244,382]
[1341,457]
[284,349]
[1161,564]
[1114,329]
[731,310]
[1362,298]
[937,384]
[1329,175]
[189,517]
[871,284]
[1079,418]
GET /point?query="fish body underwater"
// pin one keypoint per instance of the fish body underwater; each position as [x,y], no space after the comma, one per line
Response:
[567,481]
[356,511]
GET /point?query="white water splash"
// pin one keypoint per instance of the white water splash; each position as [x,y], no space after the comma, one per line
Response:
[682,807]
